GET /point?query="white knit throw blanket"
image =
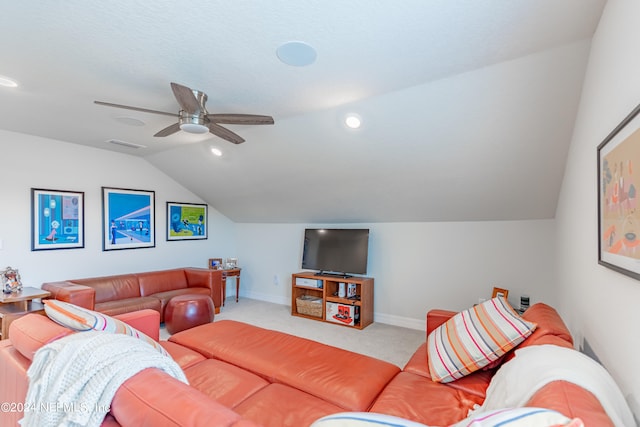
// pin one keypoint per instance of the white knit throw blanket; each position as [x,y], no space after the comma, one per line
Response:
[537,365]
[73,380]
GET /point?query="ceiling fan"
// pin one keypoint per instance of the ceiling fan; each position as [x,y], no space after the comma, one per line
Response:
[194,117]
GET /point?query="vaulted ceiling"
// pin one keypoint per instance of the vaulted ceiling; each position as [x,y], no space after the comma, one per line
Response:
[467,106]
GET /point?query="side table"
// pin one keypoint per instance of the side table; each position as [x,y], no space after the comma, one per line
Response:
[15,305]
[231,272]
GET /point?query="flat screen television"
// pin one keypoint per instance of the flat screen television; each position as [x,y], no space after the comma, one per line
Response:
[338,251]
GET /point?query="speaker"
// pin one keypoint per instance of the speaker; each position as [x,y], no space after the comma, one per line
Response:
[342,290]
[524,303]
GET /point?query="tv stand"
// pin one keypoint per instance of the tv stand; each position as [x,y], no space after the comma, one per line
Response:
[330,274]
[355,312]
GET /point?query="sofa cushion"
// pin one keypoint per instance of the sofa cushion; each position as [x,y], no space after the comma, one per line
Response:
[335,375]
[224,382]
[109,288]
[183,356]
[153,282]
[279,405]
[418,398]
[127,305]
[550,324]
[33,331]
[82,319]
[475,383]
[474,338]
[573,401]
[153,398]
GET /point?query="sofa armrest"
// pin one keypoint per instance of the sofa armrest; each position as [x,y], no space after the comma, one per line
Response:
[437,317]
[80,295]
[153,398]
[146,321]
[206,278]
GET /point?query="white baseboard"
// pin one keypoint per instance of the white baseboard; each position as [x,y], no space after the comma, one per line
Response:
[400,321]
[275,299]
[389,319]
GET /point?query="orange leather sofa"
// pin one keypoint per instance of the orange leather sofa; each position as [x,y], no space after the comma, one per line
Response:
[243,375]
[125,293]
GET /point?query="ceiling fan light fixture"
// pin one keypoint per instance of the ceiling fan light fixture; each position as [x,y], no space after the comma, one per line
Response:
[192,123]
[194,128]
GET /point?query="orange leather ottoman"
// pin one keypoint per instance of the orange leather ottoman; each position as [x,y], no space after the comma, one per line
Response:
[186,311]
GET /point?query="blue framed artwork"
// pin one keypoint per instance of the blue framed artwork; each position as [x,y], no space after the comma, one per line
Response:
[186,221]
[128,219]
[57,219]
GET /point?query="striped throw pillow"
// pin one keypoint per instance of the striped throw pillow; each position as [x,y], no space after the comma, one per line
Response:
[519,417]
[364,419]
[474,338]
[82,319]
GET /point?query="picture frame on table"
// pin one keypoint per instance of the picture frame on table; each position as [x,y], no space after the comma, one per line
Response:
[11,282]
[57,219]
[499,292]
[186,221]
[618,185]
[215,263]
[128,219]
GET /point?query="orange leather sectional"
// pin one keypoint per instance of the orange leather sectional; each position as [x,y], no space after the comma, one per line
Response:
[242,375]
[125,293]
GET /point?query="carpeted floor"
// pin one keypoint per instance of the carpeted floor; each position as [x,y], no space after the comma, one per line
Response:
[391,343]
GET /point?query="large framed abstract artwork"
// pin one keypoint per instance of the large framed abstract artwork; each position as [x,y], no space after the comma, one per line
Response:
[57,219]
[186,221]
[128,219]
[618,185]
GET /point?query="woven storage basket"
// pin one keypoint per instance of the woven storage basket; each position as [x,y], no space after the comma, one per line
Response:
[309,305]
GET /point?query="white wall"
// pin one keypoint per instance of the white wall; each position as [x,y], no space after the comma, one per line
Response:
[416,266]
[598,303]
[32,162]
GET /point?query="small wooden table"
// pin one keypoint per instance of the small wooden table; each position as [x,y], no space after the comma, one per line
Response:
[231,272]
[15,305]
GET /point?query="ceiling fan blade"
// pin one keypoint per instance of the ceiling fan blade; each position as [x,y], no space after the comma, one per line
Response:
[144,110]
[169,130]
[241,119]
[187,100]
[225,133]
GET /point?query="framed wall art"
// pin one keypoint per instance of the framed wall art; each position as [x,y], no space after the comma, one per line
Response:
[128,219]
[618,185]
[186,221]
[57,219]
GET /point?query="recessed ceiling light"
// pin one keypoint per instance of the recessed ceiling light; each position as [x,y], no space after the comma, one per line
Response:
[216,151]
[353,121]
[7,82]
[131,121]
[298,54]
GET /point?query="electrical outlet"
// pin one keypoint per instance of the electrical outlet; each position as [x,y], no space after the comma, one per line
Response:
[276,280]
